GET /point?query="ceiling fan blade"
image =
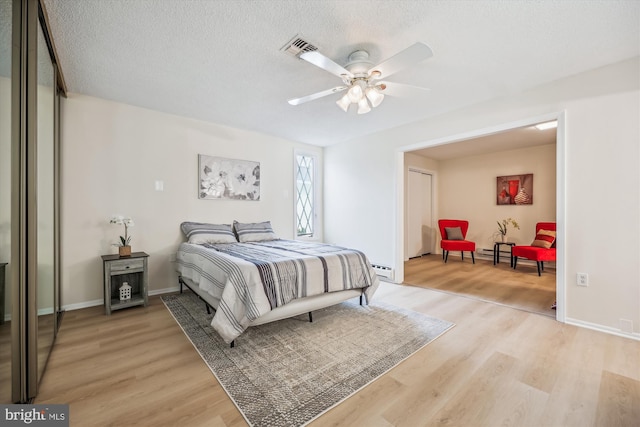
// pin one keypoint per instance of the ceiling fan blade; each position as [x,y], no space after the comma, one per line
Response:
[302,100]
[401,89]
[403,59]
[319,60]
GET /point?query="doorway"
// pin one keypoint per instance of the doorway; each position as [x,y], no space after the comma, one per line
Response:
[471,142]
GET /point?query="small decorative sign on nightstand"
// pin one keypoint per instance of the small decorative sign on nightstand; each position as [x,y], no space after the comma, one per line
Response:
[125,281]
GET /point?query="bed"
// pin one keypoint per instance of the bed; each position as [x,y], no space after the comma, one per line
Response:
[250,276]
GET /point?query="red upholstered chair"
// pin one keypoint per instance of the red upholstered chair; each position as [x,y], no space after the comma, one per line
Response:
[452,240]
[536,251]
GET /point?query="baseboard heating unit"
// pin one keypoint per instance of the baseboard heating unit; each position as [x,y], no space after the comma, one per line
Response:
[485,252]
[383,271]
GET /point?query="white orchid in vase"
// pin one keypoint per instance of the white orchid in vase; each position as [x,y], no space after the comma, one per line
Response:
[503,226]
[127,222]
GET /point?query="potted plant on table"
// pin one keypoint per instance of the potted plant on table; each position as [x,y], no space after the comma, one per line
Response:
[504,225]
[124,247]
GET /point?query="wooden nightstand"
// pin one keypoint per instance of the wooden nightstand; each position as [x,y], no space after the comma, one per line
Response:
[117,270]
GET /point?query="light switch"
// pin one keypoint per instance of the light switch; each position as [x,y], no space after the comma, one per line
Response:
[582,279]
[159,185]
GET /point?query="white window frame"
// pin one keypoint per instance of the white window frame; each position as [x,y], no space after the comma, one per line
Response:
[314,207]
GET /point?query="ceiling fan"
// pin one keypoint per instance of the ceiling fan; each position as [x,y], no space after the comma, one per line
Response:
[363,81]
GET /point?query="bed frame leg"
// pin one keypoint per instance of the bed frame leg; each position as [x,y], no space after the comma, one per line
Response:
[233,344]
[360,299]
[310,318]
[206,304]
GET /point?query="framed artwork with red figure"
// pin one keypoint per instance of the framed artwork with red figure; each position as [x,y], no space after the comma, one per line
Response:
[515,189]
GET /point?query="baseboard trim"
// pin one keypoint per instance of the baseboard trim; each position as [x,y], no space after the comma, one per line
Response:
[95,302]
[164,291]
[601,328]
[81,305]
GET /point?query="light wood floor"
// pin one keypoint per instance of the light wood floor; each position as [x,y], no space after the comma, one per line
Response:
[521,288]
[497,367]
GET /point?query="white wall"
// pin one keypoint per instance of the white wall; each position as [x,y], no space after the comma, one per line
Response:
[359,188]
[603,204]
[467,190]
[602,185]
[112,154]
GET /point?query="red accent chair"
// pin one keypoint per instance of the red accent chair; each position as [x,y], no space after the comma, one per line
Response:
[536,253]
[453,242]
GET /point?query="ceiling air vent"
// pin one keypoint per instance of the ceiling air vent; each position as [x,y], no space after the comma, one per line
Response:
[297,46]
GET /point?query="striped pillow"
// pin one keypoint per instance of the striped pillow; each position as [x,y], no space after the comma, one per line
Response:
[544,239]
[198,232]
[254,232]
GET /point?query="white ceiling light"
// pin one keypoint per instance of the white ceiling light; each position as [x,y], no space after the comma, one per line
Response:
[362,92]
[547,125]
[363,106]
[355,93]
[374,95]
[344,103]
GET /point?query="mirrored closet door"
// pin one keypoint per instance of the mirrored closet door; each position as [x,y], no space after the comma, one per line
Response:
[45,171]
[29,198]
[5,200]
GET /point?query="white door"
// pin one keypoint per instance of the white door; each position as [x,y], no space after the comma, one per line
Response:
[420,231]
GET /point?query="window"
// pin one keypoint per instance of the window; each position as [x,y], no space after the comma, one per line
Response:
[305,173]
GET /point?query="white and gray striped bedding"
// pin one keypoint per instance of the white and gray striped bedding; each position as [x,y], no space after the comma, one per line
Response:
[251,279]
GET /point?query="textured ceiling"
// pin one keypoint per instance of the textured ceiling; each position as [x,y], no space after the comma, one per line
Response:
[221,60]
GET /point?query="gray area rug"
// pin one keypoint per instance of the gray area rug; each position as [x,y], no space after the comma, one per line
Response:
[289,372]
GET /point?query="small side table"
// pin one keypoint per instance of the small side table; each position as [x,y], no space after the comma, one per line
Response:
[496,252]
[131,269]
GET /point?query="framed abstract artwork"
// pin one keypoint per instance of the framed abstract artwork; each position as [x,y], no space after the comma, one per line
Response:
[515,189]
[228,179]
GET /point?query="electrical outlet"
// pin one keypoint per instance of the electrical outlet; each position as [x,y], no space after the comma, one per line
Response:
[582,279]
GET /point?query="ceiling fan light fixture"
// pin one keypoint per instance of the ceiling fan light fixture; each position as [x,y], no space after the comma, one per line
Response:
[360,80]
[363,106]
[374,96]
[344,103]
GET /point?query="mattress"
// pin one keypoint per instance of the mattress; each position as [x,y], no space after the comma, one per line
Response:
[251,279]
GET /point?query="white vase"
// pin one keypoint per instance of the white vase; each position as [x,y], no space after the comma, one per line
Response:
[504,238]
